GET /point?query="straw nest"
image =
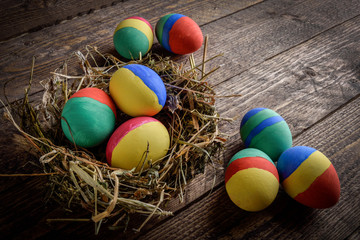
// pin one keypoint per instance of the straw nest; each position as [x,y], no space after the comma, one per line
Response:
[82,177]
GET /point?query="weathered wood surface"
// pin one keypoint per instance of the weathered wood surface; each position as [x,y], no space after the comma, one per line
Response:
[215,216]
[51,45]
[15,14]
[299,58]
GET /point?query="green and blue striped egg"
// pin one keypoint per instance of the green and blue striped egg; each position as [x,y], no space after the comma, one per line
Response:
[133,37]
[137,90]
[179,34]
[266,130]
[88,117]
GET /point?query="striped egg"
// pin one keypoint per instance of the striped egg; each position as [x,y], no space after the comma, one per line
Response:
[179,34]
[266,130]
[137,90]
[309,177]
[129,143]
[88,117]
[133,37]
[251,180]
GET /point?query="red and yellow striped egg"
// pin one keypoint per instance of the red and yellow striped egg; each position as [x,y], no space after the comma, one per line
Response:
[129,143]
[251,180]
[309,177]
[133,37]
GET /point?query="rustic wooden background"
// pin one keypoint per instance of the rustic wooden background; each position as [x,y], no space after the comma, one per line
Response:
[300,58]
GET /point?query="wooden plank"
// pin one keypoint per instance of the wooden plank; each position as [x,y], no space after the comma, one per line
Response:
[355,235]
[279,68]
[51,46]
[283,84]
[217,217]
[18,17]
[303,84]
[323,113]
[266,28]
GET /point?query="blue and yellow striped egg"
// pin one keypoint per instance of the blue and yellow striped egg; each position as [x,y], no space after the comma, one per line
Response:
[88,117]
[309,177]
[251,180]
[133,37]
[137,90]
[178,34]
[266,130]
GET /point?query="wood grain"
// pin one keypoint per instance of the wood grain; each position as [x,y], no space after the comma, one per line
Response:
[216,215]
[265,28]
[51,46]
[299,58]
[15,15]
[303,84]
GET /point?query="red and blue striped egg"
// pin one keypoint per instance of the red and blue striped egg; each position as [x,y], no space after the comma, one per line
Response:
[309,177]
[88,117]
[128,145]
[137,90]
[133,37]
[178,34]
[251,180]
[266,130]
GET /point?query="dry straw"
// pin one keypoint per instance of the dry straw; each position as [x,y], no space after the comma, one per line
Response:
[79,176]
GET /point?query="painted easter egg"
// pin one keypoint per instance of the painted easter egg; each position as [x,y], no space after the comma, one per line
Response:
[129,143]
[266,130]
[251,180]
[88,117]
[137,90]
[309,177]
[178,34]
[132,37]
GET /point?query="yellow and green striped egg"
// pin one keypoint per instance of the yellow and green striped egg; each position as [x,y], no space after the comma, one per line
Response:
[133,37]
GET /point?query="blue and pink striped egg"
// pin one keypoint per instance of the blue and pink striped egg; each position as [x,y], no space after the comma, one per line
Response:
[266,130]
[128,145]
[137,90]
[178,34]
[309,177]
[88,117]
[133,37]
[251,180]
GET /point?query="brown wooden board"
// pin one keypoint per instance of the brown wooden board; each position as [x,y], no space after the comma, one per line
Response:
[51,46]
[216,216]
[308,80]
[18,16]
[262,28]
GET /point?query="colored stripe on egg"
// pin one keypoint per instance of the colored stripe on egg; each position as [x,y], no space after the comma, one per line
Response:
[259,128]
[250,152]
[252,189]
[250,114]
[138,24]
[98,95]
[146,75]
[167,28]
[298,157]
[327,183]
[160,27]
[137,90]
[142,19]
[250,162]
[256,121]
[307,172]
[122,132]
